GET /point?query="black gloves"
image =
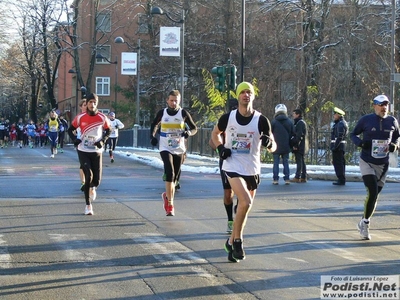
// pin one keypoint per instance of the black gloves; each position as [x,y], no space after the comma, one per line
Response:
[266,141]
[77,142]
[99,144]
[153,141]
[392,147]
[223,152]
[186,134]
[366,145]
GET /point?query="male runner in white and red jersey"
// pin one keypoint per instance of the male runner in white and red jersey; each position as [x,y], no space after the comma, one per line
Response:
[95,130]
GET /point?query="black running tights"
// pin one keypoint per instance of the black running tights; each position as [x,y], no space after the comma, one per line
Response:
[172,165]
[373,190]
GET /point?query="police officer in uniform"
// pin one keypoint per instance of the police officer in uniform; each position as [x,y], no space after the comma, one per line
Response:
[338,142]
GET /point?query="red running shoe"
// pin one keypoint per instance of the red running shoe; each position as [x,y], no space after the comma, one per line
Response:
[170,211]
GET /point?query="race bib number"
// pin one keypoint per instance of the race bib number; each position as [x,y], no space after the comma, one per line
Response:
[89,141]
[241,143]
[380,148]
[173,140]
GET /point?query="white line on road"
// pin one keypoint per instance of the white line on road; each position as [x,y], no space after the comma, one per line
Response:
[169,252]
[5,257]
[68,242]
[324,245]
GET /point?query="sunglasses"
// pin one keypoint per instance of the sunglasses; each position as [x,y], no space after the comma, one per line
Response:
[383,104]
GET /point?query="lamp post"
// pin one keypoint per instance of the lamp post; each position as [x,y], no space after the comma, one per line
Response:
[243,41]
[159,11]
[99,56]
[392,55]
[83,89]
[120,40]
[72,71]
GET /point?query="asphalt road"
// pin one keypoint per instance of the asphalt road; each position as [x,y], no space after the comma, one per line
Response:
[130,250]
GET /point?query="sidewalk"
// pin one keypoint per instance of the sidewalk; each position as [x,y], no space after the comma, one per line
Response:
[209,165]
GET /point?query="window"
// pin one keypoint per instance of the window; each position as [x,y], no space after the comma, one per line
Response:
[103,86]
[288,90]
[382,65]
[104,51]
[105,111]
[104,21]
[288,61]
[143,24]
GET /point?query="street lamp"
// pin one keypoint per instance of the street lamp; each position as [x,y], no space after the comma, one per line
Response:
[120,40]
[82,89]
[159,11]
[243,42]
[392,55]
[99,56]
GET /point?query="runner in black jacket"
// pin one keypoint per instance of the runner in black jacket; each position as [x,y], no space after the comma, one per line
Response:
[380,135]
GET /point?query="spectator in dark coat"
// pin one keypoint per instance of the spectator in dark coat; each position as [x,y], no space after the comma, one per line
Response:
[283,130]
[338,143]
[301,148]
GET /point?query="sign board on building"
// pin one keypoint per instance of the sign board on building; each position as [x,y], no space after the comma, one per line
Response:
[170,41]
[128,63]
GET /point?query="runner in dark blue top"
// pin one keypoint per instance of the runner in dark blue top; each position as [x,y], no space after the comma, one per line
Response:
[380,135]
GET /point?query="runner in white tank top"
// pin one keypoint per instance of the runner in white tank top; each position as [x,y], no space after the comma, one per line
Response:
[174,125]
[246,130]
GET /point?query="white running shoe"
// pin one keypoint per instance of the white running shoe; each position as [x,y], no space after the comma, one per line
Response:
[92,193]
[88,210]
[52,156]
[363,228]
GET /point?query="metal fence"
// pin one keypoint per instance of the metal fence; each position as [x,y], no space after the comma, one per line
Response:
[319,153]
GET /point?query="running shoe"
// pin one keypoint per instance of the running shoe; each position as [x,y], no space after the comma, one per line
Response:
[230,227]
[61,150]
[275,182]
[82,186]
[112,159]
[238,252]
[89,210]
[170,211]
[287,182]
[165,201]
[52,156]
[177,185]
[363,228]
[92,194]
[228,248]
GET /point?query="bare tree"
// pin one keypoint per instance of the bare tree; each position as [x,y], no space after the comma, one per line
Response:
[39,46]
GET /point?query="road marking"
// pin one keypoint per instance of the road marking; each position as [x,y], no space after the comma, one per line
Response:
[68,242]
[168,251]
[324,245]
[5,257]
